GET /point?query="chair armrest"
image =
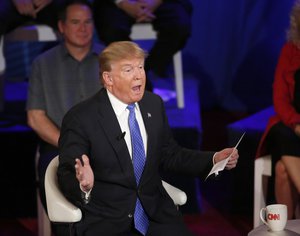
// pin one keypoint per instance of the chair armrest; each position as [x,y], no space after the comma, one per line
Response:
[59,208]
[178,196]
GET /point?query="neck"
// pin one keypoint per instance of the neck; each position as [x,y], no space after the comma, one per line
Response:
[78,52]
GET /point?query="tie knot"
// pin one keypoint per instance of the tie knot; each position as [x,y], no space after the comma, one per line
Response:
[131,107]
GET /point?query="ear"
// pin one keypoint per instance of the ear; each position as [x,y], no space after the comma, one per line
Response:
[60,26]
[107,78]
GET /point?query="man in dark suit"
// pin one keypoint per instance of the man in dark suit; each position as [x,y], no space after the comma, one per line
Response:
[97,166]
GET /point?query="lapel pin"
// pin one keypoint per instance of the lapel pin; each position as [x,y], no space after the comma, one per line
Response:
[149,115]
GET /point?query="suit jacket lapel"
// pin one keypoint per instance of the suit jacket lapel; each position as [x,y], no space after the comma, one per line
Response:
[148,119]
[111,127]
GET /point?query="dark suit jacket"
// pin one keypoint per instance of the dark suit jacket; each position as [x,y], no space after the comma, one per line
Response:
[92,128]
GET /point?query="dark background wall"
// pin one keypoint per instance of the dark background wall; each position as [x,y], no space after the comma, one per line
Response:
[233,50]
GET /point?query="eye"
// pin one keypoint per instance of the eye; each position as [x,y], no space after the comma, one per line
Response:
[74,22]
[88,22]
[127,69]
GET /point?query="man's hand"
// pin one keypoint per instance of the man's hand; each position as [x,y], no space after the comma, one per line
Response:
[40,4]
[147,13]
[25,7]
[84,173]
[141,10]
[223,154]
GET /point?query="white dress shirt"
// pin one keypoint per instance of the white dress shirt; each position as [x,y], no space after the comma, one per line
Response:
[122,113]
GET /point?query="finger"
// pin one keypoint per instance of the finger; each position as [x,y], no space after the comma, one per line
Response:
[36,11]
[85,159]
[235,152]
[78,162]
[85,183]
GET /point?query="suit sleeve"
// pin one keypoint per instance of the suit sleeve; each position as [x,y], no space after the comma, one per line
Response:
[182,160]
[72,144]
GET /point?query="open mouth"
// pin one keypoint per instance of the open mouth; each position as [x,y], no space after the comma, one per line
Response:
[137,88]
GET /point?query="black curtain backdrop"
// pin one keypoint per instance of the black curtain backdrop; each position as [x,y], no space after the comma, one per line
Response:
[233,51]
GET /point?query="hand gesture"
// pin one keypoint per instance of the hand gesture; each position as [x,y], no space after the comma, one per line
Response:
[25,7]
[223,154]
[84,173]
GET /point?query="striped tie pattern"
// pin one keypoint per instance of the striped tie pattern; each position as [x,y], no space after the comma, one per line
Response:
[141,221]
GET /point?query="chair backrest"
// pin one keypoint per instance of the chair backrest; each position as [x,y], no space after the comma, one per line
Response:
[59,208]
[142,31]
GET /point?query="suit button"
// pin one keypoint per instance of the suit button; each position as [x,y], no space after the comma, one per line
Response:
[129,215]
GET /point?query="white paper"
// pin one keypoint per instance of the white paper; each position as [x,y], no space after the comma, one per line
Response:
[221,164]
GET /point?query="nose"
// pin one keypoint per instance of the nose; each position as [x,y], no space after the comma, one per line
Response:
[82,27]
[139,72]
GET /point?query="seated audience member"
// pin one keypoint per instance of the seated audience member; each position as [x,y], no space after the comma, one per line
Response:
[282,136]
[60,78]
[14,13]
[171,19]
[112,147]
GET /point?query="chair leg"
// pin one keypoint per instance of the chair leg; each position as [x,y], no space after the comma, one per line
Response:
[44,226]
[179,79]
[2,58]
[2,71]
[259,200]
[262,171]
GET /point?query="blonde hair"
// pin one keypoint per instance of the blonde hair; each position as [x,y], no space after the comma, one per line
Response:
[293,32]
[117,51]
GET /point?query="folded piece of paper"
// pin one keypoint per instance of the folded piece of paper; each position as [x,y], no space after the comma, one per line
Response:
[221,164]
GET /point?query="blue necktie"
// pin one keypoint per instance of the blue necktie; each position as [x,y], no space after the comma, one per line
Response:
[141,221]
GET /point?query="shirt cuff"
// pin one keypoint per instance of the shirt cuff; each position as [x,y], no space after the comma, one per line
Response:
[86,195]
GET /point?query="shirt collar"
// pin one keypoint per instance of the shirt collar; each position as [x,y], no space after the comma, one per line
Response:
[118,106]
[95,49]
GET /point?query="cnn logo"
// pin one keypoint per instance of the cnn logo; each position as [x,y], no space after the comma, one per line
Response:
[273,217]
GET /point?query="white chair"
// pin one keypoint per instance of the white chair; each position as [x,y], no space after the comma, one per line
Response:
[144,31]
[262,170]
[61,210]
